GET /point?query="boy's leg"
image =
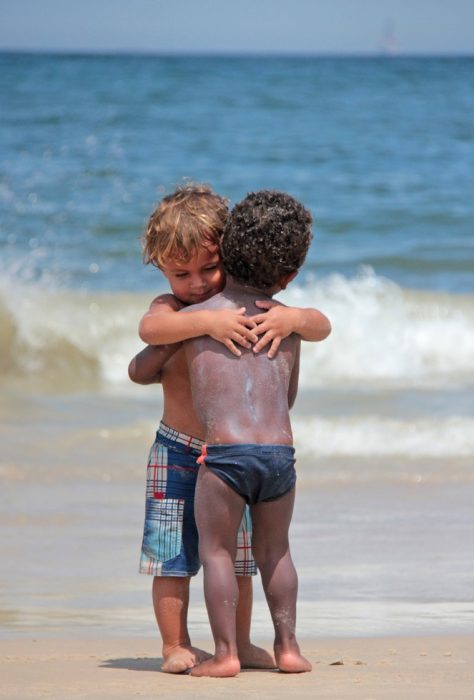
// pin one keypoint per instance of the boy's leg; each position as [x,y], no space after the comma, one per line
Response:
[250,656]
[218,510]
[170,603]
[271,522]
[170,542]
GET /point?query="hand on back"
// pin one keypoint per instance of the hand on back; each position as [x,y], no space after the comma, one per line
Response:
[232,328]
[277,322]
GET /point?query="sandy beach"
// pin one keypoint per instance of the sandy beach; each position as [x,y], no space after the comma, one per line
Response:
[387,668]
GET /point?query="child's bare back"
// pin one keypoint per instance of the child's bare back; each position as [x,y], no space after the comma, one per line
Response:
[243,399]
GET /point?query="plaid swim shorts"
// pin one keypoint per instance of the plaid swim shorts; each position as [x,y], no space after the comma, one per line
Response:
[170,544]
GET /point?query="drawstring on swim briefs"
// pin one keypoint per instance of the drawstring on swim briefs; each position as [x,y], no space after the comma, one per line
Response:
[202,457]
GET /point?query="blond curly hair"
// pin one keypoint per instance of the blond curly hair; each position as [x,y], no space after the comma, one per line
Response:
[185,220]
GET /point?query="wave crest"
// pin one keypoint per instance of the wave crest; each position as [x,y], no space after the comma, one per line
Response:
[382,334]
[385,334]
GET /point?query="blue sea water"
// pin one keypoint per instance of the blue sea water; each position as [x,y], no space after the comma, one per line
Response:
[381,150]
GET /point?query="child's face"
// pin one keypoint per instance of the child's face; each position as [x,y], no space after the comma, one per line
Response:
[198,279]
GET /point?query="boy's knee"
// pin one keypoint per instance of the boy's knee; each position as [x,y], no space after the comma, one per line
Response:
[208,555]
[268,554]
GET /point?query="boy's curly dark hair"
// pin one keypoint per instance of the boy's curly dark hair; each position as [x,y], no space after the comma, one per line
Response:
[266,237]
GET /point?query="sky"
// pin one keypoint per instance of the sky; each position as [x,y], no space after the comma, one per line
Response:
[239,26]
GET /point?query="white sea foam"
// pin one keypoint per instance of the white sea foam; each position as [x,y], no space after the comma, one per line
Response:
[69,334]
[385,334]
[381,334]
[376,436]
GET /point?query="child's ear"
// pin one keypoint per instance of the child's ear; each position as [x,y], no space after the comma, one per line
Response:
[286,279]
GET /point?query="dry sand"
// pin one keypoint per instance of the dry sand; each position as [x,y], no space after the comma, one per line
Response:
[364,669]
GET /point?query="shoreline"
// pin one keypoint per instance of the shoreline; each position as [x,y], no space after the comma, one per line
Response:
[375,668]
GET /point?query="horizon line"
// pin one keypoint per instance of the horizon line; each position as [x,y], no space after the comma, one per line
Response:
[207,53]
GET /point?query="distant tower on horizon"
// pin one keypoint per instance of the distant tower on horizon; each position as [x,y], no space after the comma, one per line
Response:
[389,45]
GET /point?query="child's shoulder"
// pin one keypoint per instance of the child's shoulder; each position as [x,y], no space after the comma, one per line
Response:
[166,302]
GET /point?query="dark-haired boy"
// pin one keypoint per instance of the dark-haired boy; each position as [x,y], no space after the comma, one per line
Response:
[182,240]
[243,403]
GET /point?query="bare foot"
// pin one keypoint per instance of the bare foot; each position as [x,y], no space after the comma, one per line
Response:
[251,656]
[182,658]
[217,668]
[291,661]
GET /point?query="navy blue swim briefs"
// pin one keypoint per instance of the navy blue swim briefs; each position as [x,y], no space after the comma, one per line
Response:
[256,472]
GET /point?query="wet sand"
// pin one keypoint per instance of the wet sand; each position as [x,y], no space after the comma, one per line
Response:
[419,668]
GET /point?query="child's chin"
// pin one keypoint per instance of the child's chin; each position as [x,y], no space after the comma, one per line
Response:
[202,297]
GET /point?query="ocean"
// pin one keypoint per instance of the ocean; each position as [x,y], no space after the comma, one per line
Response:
[381,150]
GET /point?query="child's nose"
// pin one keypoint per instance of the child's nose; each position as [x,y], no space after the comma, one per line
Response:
[198,282]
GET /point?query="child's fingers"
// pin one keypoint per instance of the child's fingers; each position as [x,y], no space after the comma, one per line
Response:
[243,319]
[266,326]
[248,334]
[230,346]
[248,321]
[267,338]
[241,340]
[264,340]
[274,347]
[259,318]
